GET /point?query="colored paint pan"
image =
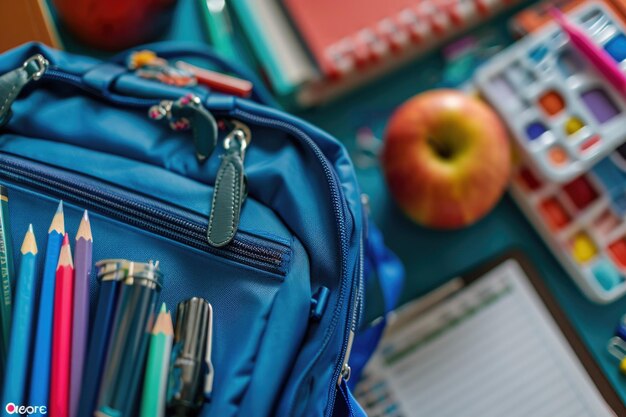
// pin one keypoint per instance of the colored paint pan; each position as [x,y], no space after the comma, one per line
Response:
[600,104]
[616,47]
[581,192]
[554,213]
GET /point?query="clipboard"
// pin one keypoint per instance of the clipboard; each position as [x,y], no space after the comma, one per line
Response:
[409,317]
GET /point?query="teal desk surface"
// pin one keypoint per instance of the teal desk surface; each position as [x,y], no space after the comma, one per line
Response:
[432,257]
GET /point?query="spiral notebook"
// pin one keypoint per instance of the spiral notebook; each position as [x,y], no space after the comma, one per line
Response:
[497,347]
[347,35]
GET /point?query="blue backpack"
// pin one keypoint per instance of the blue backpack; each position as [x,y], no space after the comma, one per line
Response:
[278,242]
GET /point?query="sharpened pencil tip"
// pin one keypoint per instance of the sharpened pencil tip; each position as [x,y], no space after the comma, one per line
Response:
[58,221]
[30,244]
[163,323]
[65,258]
[163,308]
[84,230]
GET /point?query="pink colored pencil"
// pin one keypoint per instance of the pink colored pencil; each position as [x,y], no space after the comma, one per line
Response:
[82,268]
[599,58]
[58,405]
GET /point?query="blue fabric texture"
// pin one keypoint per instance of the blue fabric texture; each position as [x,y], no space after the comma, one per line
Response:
[81,134]
[385,267]
[347,405]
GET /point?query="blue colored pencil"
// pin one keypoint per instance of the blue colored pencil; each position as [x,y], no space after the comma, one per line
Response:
[98,344]
[18,358]
[43,339]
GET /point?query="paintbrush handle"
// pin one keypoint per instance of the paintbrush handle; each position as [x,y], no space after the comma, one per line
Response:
[601,60]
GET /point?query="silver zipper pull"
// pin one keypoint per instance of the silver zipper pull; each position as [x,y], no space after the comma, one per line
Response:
[345,368]
[12,83]
[230,187]
[188,113]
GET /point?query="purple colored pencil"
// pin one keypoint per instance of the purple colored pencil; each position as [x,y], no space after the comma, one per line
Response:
[80,330]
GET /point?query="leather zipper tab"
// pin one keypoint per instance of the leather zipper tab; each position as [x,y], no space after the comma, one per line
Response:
[12,83]
[230,187]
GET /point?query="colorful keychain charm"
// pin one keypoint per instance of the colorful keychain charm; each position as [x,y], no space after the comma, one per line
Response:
[188,113]
[148,65]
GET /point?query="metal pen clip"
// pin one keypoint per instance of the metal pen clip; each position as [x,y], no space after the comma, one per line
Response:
[208,381]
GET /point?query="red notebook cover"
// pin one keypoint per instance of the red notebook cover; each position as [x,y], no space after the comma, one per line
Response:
[346,34]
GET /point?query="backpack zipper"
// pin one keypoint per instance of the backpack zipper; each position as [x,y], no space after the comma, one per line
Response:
[192,111]
[54,74]
[31,70]
[339,208]
[177,224]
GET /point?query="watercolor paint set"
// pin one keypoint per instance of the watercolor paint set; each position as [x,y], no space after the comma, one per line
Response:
[563,114]
[583,221]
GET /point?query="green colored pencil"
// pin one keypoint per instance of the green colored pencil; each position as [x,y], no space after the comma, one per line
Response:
[157,367]
[7,274]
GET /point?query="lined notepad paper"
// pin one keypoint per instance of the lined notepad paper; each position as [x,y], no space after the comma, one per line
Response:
[492,350]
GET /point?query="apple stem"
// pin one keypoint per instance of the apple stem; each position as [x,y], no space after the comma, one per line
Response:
[441,147]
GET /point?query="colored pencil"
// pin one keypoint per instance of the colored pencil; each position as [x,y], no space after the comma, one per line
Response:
[43,338]
[7,274]
[157,366]
[18,358]
[62,334]
[98,343]
[80,329]
[598,57]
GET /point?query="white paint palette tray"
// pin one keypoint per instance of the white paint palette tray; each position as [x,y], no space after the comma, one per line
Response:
[564,116]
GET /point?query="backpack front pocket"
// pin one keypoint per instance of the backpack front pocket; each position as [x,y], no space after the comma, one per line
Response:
[259,284]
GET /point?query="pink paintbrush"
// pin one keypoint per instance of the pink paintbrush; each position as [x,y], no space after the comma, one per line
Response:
[590,50]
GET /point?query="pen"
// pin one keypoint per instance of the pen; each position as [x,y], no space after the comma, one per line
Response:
[98,344]
[43,338]
[82,268]
[17,360]
[129,336]
[600,59]
[187,384]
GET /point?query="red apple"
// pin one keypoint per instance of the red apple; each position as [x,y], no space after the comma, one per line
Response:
[115,24]
[446,158]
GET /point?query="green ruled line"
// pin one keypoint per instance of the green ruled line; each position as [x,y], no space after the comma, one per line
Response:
[394,357]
